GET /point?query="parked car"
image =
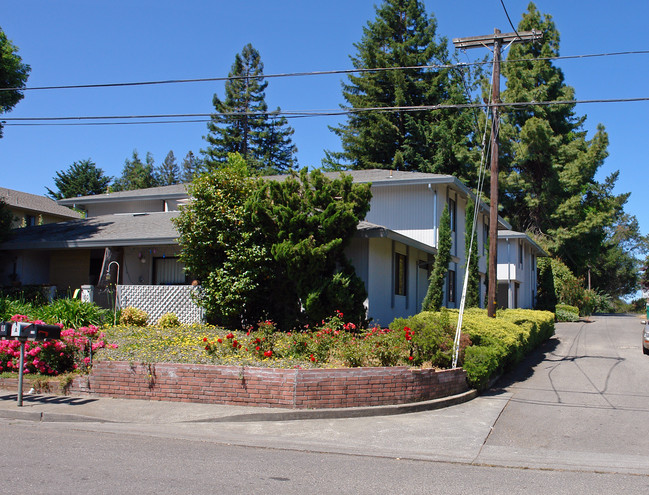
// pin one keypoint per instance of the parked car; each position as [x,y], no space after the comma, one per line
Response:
[645,337]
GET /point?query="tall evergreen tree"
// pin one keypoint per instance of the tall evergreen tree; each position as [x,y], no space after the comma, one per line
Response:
[402,35]
[242,125]
[168,172]
[82,178]
[435,295]
[13,74]
[548,165]
[136,174]
[473,287]
[190,167]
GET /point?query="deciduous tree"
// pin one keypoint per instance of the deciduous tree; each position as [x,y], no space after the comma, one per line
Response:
[13,74]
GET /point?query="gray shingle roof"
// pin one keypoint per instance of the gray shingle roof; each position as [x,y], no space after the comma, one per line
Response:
[131,229]
[162,192]
[35,203]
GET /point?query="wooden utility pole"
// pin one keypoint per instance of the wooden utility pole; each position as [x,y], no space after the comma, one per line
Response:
[496,40]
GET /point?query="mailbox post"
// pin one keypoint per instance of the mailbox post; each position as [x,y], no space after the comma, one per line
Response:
[24,331]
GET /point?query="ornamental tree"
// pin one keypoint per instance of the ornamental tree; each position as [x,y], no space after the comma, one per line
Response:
[273,249]
[435,294]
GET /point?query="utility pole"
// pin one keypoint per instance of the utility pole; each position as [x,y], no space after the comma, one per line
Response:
[496,40]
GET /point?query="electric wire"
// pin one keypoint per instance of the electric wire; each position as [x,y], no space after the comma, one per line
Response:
[508,18]
[324,113]
[318,73]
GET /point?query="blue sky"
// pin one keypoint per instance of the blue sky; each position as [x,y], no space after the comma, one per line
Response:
[90,42]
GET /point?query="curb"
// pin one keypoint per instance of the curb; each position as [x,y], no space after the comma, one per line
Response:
[347,412]
[266,415]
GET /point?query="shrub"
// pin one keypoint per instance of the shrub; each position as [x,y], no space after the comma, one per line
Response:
[566,316]
[168,320]
[72,352]
[133,317]
[73,313]
[567,313]
[10,307]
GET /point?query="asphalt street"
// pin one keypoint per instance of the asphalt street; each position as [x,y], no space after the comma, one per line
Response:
[576,408]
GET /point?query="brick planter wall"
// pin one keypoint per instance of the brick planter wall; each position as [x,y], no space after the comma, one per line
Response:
[269,387]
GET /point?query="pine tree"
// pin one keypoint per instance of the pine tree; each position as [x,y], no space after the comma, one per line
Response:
[168,173]
[82,178]
[428,141]
[435,294]
[136,174]
[242,125]
[191,167]
[548,165]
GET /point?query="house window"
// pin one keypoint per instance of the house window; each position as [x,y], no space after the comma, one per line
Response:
[452,213]
[451,286]
[30,220]
[168,271]
[520,254]
[400,274]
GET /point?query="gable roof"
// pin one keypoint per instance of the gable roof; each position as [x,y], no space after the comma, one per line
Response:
[512,234]
[34,203]
[132,229]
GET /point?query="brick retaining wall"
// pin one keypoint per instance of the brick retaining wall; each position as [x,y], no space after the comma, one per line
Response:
[269,387]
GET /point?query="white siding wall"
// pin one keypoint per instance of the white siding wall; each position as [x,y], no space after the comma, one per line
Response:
[511,272]
[407,209]
[373,260]
[134,206]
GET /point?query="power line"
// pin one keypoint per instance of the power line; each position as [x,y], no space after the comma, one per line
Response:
[322,73]
[510,21]
[204,117]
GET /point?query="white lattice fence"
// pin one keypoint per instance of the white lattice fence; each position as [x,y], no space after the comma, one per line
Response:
[157,300]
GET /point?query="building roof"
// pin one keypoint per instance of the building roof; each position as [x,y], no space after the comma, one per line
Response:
[512,234]
[132,229]
[36,204]
[377,177]
[368,229]
[176,191]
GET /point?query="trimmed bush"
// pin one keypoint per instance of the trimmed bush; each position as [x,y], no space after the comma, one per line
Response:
[566,312]
[133,317]
[168,320]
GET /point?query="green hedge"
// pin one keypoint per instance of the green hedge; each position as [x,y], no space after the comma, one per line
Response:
[566,312]
[495,343]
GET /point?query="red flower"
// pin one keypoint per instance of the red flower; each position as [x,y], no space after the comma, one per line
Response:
[204,339]
[207,347]
[268,353]
[410,358]
[219,341]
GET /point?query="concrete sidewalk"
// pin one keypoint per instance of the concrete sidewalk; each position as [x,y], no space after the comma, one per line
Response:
[56,408]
